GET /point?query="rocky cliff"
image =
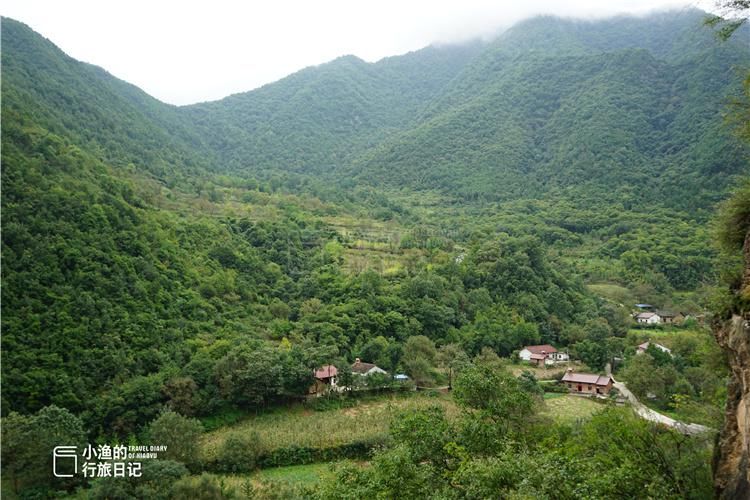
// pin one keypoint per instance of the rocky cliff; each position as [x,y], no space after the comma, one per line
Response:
[732,454]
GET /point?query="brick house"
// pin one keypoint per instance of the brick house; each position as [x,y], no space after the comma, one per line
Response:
[587,383]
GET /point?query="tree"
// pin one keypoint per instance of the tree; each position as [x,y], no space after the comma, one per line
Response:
[593,354]
[28,443]
[250,374]
[419,359]
[529,383]
[375,351]
[182,392]
[497,395]
[452,358]
[500,329]
[424,432]
[179,434]
[240,451]
[156,482]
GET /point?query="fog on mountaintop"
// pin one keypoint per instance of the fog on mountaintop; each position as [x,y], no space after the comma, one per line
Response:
[195,54]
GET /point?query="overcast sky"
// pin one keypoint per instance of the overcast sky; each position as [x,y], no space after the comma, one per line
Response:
[190,51]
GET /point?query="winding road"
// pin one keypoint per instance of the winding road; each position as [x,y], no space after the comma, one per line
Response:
[654,416]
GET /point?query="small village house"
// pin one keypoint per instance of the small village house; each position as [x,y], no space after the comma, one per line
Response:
[587,383]
[541,355]
[648,318]
[365,369]
[325,380]
[671,318]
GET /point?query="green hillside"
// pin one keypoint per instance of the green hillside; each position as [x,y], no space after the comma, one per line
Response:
[317,119]
[601,116]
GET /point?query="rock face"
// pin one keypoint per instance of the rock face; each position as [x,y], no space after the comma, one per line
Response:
[732,452]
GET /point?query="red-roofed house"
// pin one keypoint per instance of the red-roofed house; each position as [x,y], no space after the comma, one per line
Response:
[587,383]
[325,380]
[542,355]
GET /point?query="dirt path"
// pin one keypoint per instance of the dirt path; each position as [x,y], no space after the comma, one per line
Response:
[654,416]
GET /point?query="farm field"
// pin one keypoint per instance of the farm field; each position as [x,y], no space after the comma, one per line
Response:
[304,427]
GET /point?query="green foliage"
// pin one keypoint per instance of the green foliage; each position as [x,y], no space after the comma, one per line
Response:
[240,452]
[179,434]
[419,359]
[733,219]
[254,373]
[156,482]
[690,383]
[529,383]
[613,454]
[732,227]
[204,487]
[496,396]
[424,432]
[28,443]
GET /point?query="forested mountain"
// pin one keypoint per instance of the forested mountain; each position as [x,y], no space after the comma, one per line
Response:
[151,253]
[113,119]
[321,117]
[595,109]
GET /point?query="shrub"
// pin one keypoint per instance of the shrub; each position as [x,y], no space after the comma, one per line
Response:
[240,452]
[300,455]
[179,434]
[204,487]
[555,387]
[155,484]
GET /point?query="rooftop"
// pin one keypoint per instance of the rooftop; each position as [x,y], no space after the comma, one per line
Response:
[539,349]
[362,367]
[586,378]
[326,371]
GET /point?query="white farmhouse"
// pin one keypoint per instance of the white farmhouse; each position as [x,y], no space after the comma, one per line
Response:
[365,369]
[542,355]
[648,318]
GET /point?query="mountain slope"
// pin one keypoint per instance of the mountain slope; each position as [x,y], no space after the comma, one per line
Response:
[606,118]
[120,122]
[317,118]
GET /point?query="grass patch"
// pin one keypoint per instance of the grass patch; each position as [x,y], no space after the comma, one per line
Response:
[553,395]
[301,474]
[308,475]
[569,409]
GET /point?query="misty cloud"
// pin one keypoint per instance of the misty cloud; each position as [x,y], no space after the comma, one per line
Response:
[206,50]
